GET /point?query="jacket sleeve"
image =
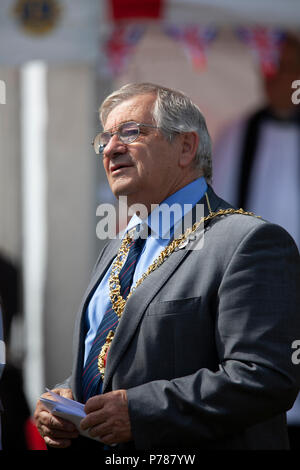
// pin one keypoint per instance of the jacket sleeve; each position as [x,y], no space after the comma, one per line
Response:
[256,322]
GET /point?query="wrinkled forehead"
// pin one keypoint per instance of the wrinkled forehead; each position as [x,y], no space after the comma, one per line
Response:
[138,108]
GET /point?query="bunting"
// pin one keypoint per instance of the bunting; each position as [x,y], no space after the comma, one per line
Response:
[124,38]
[265,46]
[120,46]
[194,39]
[68,31]
[130,15]
[128,28]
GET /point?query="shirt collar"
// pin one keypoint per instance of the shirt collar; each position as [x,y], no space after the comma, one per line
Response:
[164,217]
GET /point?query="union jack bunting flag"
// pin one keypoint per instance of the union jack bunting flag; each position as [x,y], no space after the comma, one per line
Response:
[194,39]
[265,45]
[120,45]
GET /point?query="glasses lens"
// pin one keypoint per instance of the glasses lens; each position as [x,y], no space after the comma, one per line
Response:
[104,138]
[97,144]
[100,142]
[129,132]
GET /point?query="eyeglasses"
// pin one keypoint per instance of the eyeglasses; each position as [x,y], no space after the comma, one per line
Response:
[127,132]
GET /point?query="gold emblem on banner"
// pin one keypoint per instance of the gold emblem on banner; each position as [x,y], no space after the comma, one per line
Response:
[37,16]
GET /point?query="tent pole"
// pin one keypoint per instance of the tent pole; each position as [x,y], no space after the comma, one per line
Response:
[33,152]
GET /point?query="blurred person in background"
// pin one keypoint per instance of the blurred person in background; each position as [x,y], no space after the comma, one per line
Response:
[16,413]
[257,162]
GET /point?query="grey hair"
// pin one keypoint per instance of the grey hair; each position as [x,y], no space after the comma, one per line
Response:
[173,112]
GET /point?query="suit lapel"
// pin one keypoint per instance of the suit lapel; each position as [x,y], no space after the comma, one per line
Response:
[140,299]
[102,266]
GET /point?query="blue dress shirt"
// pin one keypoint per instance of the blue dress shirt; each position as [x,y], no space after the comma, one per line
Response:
[163,221]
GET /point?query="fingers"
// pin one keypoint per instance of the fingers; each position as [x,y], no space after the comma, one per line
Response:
[56,431]
[108,417]
[55,426]
[102,430]
[56,437]
[95,403]
[59,444]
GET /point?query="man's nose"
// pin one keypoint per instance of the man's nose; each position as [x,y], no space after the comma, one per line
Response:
[114,147]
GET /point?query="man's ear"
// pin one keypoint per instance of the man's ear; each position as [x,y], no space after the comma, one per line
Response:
[189,145]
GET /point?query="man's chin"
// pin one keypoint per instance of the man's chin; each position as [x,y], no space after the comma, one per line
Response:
[121,192]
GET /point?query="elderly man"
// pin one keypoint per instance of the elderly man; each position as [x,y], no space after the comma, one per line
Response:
[180,343]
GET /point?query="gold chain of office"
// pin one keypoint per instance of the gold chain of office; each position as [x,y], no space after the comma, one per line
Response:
[118,302]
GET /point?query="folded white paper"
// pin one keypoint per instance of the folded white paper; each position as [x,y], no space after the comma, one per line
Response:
[68,409]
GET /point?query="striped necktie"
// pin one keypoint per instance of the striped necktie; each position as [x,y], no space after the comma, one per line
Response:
[91,378]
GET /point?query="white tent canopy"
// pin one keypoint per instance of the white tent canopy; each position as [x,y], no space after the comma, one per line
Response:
[284,13]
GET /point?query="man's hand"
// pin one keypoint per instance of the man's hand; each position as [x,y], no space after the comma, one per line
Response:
[108,417]
[57,432]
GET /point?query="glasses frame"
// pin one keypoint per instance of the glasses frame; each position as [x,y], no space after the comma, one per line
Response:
[101,147]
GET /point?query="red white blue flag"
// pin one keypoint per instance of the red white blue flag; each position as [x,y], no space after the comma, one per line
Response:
[265,45]
[128,26]
[194,39]
[120,45]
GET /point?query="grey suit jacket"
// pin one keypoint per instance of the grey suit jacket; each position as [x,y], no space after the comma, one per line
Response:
[204,345]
